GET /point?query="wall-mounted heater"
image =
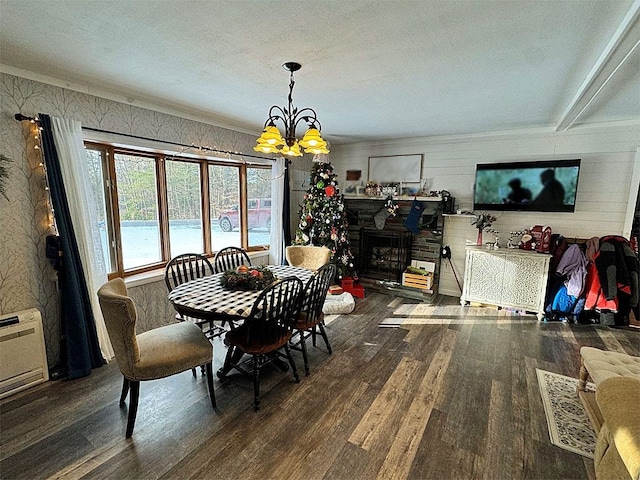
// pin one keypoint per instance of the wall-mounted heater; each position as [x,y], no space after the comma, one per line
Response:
[23,358]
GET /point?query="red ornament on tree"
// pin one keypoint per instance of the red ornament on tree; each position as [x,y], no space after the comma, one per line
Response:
[329,190]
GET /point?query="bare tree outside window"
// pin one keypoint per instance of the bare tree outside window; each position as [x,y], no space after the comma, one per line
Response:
[138,207]
[184,206]
[259,192]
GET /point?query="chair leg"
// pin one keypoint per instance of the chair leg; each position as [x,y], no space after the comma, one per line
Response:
[212,394]
[193,371]
[584,375]
[292,363]
[228,363]
[303,347]
[324,336]
[256,383]
[133,407]
[125,390]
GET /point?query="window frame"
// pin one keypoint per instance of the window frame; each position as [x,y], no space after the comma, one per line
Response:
[108,153]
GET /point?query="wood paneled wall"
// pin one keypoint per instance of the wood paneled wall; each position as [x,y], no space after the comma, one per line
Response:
[609,157]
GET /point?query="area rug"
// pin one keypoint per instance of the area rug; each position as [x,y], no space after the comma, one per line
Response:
[569,426]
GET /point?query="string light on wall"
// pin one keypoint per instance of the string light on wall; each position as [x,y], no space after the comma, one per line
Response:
[272,141]
[51,218]
[36,139]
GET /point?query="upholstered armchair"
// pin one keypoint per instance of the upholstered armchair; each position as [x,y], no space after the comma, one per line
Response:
[154,354]
[307,256]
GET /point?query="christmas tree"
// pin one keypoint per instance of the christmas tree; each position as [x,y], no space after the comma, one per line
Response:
[323,219]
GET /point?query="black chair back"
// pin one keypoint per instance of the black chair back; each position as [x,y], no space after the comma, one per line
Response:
[230,258]
[315,292]
[186,267]
[273,312]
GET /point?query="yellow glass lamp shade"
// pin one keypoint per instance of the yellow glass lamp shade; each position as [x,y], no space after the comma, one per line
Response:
[320,148]
[271,135]
[293,151]
[311,138]
[266,148]
[312,142]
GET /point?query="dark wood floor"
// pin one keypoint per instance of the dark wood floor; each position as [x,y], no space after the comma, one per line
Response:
[454,399]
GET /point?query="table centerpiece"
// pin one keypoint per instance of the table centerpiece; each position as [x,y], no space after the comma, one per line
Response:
[247,278]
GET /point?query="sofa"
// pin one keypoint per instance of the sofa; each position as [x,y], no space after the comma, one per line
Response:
[617,454]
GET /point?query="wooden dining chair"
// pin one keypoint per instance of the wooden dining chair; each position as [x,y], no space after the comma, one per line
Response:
[230,258]
[154,354]
[185,268]
[310,319]
[266,331]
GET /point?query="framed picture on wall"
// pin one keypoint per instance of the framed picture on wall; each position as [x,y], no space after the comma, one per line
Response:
[395,169]
[350,187]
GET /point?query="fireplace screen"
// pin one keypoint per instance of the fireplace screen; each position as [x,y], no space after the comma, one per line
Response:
[385,254]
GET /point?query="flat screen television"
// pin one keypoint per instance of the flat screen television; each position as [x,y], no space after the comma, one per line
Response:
[540,186]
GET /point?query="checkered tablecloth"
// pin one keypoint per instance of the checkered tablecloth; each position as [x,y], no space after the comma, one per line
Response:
[206,295]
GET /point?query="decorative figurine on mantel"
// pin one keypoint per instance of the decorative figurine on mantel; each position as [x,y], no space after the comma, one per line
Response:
[373,189]
[496,235]
[511,242]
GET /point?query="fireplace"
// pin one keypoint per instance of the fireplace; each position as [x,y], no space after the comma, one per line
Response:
[384,254]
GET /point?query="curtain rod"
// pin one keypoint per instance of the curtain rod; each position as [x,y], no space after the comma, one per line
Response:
[20,118]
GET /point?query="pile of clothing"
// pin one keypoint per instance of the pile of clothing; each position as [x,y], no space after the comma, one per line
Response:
[593,282]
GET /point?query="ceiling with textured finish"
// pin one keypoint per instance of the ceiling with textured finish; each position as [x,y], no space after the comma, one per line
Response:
[386,69]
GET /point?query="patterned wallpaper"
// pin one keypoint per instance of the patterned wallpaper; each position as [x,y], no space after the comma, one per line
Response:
[27,278]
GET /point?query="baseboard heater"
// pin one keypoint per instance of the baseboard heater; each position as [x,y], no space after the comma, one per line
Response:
[23,358]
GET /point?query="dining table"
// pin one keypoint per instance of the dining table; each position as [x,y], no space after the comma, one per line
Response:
[205,298]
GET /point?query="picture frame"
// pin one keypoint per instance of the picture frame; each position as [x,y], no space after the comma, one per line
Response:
[410,189]
[350,187]
[395,169]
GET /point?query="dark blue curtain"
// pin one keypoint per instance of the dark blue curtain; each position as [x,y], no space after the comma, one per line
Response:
[286,210]
[78,324]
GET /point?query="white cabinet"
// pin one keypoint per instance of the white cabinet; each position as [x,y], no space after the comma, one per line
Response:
[506,278]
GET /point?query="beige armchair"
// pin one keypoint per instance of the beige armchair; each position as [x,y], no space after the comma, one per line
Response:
[158,353]
[617,454]
[307,256]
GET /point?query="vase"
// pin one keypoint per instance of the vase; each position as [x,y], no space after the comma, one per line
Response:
[479,239]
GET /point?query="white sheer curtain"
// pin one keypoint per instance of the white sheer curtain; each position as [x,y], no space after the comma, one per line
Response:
[276,248]
[82,206]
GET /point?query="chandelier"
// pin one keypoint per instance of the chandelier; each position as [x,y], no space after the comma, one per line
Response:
[272,141]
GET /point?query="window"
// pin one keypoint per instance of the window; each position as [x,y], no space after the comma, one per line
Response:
[97,163]
[138,208]
[224,205]
[153,207]
[184,203]
[259,211]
